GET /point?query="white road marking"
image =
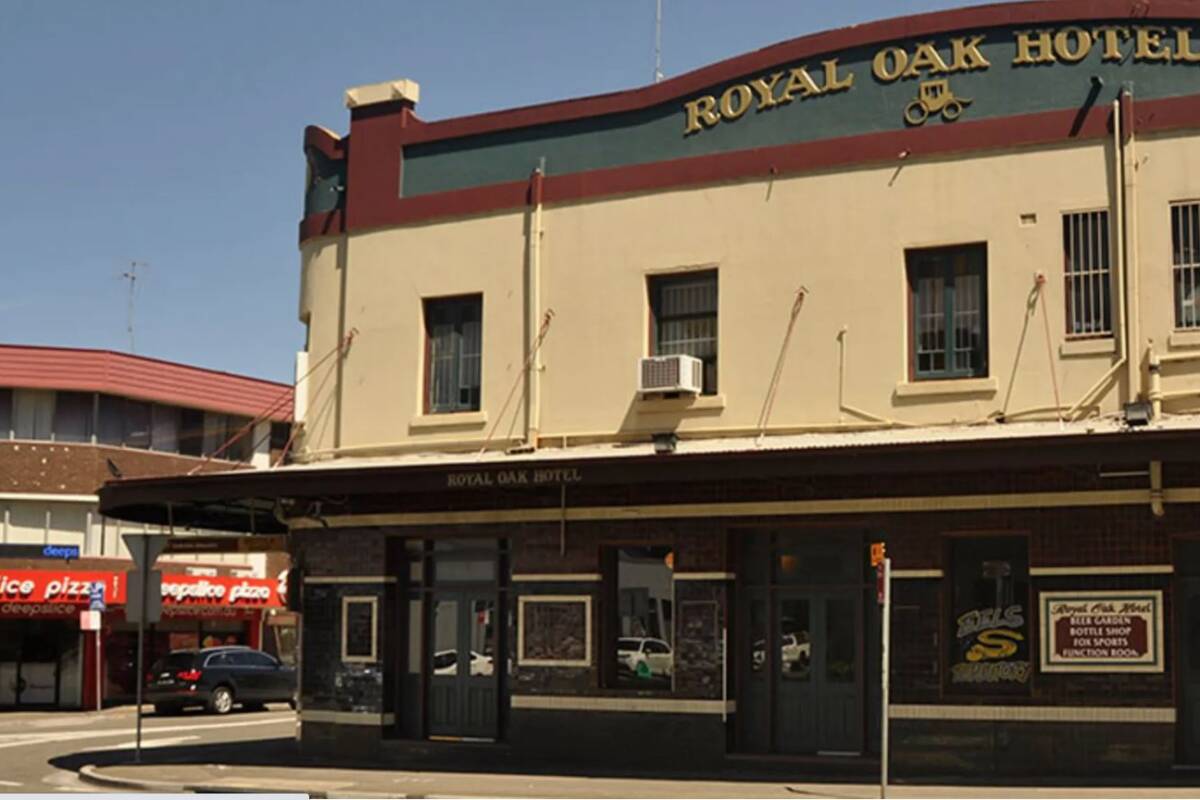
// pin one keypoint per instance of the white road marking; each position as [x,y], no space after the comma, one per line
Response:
[10,783]
[130,745]
[20,740]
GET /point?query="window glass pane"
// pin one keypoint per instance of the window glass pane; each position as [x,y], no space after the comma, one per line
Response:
[468,570]
[164,431]
[33,413]
[454,328]
[841,652]
[359,635]
[137,424]
[758,636]
[416,631]
[111,422]
[215,426]
[949,311]
[685,318]
[445,637]
[795,639]
[989,625]
[191,432]
[483,633]
[73,417]
[1086,259]
[644,587]
[242,449]
[5,413]
[1185,248]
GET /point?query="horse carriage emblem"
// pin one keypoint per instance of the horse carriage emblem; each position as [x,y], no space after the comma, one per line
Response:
[935,97]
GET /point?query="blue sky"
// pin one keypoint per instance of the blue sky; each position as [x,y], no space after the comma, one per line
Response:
[169,133]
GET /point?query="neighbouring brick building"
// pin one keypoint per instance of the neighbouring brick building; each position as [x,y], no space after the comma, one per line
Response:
[587,472]
[69,419]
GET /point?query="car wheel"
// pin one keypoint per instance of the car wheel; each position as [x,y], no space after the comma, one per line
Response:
[165,709]
[221,701]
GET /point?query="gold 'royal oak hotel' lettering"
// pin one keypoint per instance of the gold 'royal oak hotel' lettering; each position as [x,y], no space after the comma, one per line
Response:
[769,91]
[1073,43]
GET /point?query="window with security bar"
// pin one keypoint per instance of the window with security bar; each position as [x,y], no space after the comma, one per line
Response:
[454,336]
[948,309]
[1185,250]
[684,309]
[1087,272]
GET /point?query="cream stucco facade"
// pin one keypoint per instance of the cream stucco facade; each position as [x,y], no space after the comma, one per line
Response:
[841,234]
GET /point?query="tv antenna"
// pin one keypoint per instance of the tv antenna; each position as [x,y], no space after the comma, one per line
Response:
[658,73]
[132,276]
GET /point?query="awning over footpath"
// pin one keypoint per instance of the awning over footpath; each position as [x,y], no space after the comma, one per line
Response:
[261,501]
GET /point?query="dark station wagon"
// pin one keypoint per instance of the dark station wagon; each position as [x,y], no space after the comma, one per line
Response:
[219,678]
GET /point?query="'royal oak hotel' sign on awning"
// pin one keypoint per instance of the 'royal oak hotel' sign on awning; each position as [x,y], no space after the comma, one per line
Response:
[933,65]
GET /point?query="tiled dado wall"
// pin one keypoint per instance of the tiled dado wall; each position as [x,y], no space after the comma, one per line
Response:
[701,606]
[337,564]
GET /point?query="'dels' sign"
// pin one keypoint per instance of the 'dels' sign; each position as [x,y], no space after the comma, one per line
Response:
[1102,631]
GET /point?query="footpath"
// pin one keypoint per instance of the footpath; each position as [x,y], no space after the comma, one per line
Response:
[334,782]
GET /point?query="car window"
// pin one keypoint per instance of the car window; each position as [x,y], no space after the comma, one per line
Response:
[217,660]
[632,645]
[657,647]
[238,659]
[258,660]
[443,660]
[174,661]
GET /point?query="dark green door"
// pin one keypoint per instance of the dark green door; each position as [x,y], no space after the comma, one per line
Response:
[463,669]
[818,702]
[1189,669]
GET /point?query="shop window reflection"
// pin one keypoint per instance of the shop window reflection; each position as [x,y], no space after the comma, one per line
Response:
[644,626]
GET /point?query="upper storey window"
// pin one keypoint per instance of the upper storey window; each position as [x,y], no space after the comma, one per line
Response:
[948,302]
[684,309]
[454,339]
[1086,269]
[1185,249]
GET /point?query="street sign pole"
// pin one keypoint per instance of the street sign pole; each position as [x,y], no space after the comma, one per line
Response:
[141,676]
[96,603]
[885,568]
[99,674]
[145,549]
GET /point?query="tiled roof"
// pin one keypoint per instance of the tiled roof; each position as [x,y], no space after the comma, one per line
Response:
[85,370]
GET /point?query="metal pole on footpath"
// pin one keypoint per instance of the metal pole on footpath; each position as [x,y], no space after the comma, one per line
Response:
[885,658]
[144,567]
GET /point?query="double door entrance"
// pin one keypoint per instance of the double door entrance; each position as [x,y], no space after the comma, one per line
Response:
[803,660]
[463,679]
[453,684]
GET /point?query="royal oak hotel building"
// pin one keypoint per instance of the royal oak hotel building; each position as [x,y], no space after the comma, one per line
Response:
[605,401]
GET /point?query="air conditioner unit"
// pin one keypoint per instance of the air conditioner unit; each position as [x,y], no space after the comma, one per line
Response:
[662,374]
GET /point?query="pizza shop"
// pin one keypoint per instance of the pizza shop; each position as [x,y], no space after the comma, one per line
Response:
[48,658]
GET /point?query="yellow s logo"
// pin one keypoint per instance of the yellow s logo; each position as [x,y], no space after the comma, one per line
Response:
[994,643]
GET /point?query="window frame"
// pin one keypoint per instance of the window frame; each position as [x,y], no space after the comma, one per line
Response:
[655,283]
[427,406]
[589,626]
[948,627]
[349,658]
[1177,265]
[1103,276]
[610,619]
[910,279]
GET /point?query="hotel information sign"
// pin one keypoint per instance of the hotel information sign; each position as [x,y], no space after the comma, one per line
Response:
[1120,631]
